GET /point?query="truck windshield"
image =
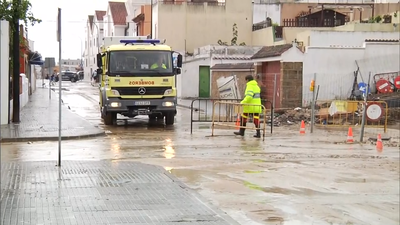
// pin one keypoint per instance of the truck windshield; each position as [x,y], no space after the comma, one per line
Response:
[131,63]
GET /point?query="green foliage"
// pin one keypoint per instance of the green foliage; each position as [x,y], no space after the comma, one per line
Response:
[371,20]
[234,39]
[17,9]
[21,9]
[222,43]
[378,19]
[234,34]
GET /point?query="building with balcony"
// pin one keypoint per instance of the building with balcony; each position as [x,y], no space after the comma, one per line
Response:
[142,20]
[133,8]
[292,22]
[279,10]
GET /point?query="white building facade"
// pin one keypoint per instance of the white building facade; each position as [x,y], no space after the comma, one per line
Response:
[89,62]
[335,56]
[115,19]
[208,56]
[4,72]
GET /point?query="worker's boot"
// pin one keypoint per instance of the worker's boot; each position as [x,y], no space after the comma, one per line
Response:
[241,130]
[258,132]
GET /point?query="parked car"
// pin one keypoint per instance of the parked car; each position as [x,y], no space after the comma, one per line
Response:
[80,75]
[69,76]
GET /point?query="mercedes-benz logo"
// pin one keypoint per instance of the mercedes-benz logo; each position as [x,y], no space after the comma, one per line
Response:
[142,90]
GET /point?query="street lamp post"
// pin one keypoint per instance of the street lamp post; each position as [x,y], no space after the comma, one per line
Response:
[16,64]
[97,38]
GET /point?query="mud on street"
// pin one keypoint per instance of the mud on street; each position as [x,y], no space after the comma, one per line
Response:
[287,179]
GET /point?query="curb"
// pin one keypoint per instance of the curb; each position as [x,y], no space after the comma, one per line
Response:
[183,106]
[53,138]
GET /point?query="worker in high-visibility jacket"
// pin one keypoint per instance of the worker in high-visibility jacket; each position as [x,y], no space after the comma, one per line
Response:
[253,97]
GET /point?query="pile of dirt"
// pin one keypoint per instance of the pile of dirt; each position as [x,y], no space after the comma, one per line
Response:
[292,116]
[394,114]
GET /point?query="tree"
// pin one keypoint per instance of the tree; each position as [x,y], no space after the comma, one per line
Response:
[234,39]
[22,10]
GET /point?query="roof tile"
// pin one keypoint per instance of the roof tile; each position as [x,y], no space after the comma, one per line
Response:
[100,14]
[91,21]
[382,40]
[233,66]
[271,51]
[118,12]
[231,58]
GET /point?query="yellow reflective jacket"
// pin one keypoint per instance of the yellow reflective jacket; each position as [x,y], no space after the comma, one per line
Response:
[155,66]
[252,96]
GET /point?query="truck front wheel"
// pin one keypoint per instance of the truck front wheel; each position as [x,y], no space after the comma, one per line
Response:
[169,119]
[110,118]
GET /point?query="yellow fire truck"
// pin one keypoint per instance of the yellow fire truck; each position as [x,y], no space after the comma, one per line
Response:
[137,77]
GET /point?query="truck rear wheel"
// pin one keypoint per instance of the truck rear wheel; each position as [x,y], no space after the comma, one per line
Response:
[169,119]
[110,118]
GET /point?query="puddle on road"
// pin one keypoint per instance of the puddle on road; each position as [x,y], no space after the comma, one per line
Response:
[169,151]
[253,171]
[253,186]
[193,177]
[285,191]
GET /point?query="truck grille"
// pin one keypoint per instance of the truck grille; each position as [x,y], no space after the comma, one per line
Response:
[135,90]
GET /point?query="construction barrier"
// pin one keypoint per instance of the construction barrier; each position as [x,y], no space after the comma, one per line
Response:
[203,107]
[201,110]
[234,111]
[347,113]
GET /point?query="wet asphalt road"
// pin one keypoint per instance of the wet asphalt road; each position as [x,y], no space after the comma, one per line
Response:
[288,179]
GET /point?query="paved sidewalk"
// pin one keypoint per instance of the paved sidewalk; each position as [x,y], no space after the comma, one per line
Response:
[99,192]
[39,121]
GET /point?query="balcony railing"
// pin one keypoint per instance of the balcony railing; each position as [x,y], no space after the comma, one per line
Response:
[169,2]
[318,1]
[262,25]
[278,32]
[311,23]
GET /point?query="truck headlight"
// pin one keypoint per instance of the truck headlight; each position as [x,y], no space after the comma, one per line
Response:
[115,104]
[168,104]
[168,92]
[114,92]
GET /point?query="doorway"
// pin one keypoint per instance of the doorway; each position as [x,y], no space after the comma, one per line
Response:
[204,81]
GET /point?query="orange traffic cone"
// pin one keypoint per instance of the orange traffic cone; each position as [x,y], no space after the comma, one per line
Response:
[350,136]
[302,127]
[237,124]
[379,145]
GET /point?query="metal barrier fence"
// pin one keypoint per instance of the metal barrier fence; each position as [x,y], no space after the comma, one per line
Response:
[204,108]
[235,110]
[347,113]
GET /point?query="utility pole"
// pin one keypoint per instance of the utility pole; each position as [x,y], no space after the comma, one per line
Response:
[151,20]
[59,84]
[16,64]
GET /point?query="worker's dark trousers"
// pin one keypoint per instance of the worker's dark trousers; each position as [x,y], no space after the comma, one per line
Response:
[243,122]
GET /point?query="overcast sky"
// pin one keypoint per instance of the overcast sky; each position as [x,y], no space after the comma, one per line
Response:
[74,17]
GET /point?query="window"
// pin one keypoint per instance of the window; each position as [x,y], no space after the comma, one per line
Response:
[140,62]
